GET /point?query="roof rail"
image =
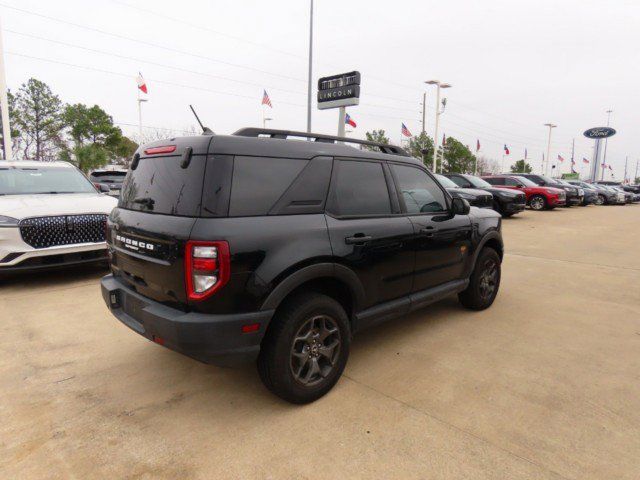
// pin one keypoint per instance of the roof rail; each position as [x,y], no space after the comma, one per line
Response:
[318,137]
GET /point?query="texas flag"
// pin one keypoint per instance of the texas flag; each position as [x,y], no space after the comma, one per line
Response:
[506,150]
[584,160]
[349,121]
[142,85]
[560,159]
[477,145]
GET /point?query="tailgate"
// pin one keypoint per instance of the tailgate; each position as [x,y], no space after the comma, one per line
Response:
[148,253]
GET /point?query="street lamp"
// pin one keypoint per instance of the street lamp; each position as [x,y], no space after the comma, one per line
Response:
[551,126]
[436,140]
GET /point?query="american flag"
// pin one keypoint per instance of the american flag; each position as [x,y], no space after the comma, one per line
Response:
[405,131]
[506,150]
[584,160]
[477,145]
[266,100]
[560,159]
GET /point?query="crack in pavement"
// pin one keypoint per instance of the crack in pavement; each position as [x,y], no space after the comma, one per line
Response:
[578,262]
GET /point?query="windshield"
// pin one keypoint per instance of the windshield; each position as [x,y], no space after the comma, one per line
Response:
[34,180]
[526,182]
[108,177]
[445,182]
[478,182]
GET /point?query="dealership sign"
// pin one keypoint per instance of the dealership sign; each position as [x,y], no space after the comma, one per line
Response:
[341,90]
[599,132]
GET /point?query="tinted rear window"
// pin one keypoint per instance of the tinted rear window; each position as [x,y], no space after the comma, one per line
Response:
[259,182]
[160,185]
[359,189]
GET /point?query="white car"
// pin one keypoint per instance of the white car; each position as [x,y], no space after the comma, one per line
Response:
[50,215]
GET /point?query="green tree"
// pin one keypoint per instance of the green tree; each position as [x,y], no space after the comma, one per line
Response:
[93,127]
[521,166]
[377,136]
[637,180]
[39,120]
[15,131]
[457,158]
[421,146]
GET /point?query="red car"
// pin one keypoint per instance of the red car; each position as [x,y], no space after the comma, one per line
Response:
[538,198]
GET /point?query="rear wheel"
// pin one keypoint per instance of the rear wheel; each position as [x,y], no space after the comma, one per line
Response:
[484,282]
[305,349]
[601,200]
[538,202]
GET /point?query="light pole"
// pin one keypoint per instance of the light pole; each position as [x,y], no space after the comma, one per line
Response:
[436,140]
[551,127]
[4,105]
[606,141]
[309,86]
[424,109]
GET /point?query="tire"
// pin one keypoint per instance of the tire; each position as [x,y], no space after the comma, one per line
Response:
[484,282]
[601,200]
[295,361]
[537,202]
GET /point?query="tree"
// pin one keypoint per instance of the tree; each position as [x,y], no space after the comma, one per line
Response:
[637,180]
[15,131]
[457,158]
[93,127]
[377,136]
[38,118]
[521,166]
[421,146]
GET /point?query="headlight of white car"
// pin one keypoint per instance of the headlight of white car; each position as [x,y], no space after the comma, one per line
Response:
[8,221]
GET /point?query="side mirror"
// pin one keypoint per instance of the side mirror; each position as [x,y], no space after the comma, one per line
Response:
[460,206]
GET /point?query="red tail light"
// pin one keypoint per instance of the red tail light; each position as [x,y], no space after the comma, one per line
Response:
[207,268]
[159,150]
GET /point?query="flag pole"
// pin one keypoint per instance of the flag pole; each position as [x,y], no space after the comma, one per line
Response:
[4,105]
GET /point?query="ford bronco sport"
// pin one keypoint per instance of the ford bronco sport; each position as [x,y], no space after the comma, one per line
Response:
[279,246]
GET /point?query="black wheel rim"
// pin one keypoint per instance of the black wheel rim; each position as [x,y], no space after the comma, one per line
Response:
[315,350]
[488,279]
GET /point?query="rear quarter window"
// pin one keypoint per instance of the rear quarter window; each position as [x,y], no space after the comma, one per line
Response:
[259,182]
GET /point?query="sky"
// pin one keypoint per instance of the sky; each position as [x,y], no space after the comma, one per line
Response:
[514,66]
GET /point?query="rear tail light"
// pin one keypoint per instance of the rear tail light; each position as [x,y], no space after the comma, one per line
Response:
[207,268]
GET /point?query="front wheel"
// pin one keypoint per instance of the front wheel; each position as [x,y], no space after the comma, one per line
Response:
[601,200]
[538,202]
[305,349]
[484,281]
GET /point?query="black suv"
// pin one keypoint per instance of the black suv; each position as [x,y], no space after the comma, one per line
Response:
[575,195]
[256,245]
[505,202]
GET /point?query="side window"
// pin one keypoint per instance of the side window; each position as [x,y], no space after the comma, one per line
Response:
[495,180]
[359,188]
[258,183]
[460,181]
[511,182]
[419,190]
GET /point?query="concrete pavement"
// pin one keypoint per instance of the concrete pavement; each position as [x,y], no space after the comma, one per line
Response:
[545,384]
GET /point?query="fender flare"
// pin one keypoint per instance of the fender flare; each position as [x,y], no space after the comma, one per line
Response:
[312,272]
[492,235]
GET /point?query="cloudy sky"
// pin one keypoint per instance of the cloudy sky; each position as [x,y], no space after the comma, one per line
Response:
[514,65]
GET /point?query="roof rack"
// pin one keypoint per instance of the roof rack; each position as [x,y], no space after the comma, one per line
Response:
[318,137]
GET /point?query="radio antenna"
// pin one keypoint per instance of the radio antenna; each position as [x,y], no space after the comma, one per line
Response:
[205,130]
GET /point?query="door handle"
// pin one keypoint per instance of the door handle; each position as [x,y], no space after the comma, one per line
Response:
[357,239]
[428,231]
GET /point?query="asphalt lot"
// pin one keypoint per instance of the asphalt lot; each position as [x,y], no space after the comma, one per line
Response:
[545,384]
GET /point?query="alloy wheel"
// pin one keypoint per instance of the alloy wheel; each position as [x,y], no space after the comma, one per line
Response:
[315,350]
[537,203]
[488,279]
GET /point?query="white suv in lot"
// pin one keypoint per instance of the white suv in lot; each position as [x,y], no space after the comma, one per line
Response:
[50,215]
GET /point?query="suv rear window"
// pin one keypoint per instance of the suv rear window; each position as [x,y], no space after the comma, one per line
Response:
[160,185]
[359,188]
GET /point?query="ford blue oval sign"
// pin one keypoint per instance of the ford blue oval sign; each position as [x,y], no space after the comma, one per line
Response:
[600,132]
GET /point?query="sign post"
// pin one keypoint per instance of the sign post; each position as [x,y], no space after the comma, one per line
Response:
[339,91]
[597,134]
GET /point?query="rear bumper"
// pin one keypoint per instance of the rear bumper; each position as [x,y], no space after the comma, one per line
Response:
[215,339]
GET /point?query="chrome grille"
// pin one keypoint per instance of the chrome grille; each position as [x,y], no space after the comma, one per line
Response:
[44,232]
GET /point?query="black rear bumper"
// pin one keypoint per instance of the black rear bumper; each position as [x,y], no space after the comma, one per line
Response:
[215,339]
